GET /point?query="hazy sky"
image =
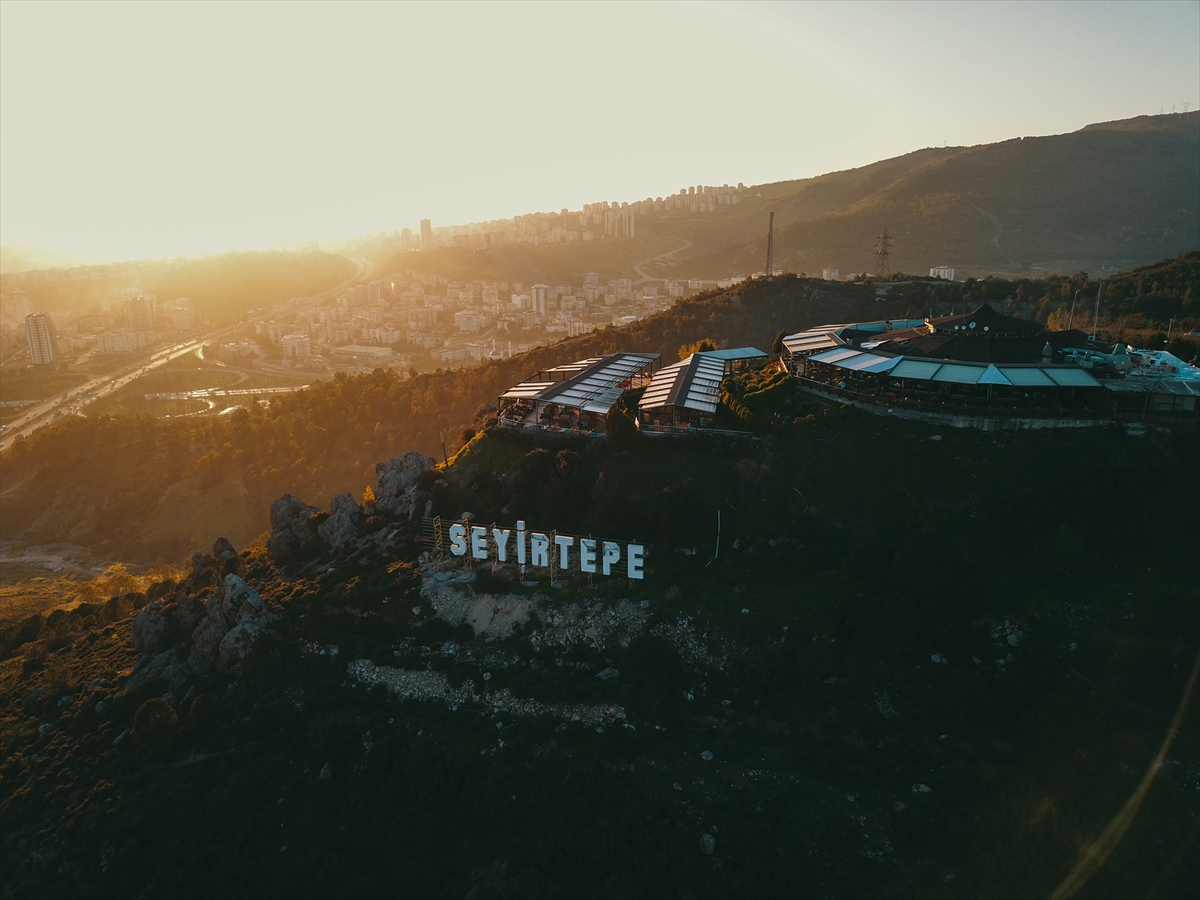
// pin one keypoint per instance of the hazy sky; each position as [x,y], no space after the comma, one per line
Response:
[163,129]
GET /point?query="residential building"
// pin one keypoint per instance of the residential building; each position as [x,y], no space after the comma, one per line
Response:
[39,337]
[296,345]
[426,235]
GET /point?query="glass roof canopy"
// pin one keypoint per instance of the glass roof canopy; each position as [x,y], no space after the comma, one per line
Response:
[956,372]
[589,385]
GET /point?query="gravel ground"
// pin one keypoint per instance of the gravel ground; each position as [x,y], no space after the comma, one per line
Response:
[409,684]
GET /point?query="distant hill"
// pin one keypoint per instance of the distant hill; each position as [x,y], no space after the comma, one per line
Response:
[221,286]
[1112,195]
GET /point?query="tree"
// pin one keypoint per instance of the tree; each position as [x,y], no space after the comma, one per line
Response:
[777,347]
[698,347]
[622,430]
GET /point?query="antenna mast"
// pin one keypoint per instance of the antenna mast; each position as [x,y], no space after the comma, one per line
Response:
[771,248]
[883,247]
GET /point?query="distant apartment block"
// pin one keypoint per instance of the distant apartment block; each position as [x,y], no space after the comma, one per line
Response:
[361,355]
[296,345]
[831,275]
[426,235]
[183,315]
[124,340]
[39,337]
[946,273]
[139,311]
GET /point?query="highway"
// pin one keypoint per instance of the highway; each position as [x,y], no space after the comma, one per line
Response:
[637,266]
[75,399]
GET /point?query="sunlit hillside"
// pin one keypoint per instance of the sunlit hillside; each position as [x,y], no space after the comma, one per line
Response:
[1112,195]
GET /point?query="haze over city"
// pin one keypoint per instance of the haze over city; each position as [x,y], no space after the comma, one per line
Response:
[133,131]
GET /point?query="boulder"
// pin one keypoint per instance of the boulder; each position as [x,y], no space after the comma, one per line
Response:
[205,641]
[220,637]
[222,550]
[202,571]
[153,626]
[293,530]
[396,482]
[189,610]
[235,601]
[342,525]
[237,643]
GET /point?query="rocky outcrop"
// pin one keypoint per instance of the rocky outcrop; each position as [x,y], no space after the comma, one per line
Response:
[342,525]
[165,619]
[396,482]
[235,618]
[293,530]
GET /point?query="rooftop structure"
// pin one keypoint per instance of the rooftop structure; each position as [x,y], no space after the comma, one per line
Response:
[575,397]
[686,395]
[987,369]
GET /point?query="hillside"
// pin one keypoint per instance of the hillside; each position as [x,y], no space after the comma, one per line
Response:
[137,489]
[942,676]
[221,287]
[1113,195]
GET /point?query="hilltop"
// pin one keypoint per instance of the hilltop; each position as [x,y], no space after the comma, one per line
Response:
[1113,194]
[938,676]
[137,489]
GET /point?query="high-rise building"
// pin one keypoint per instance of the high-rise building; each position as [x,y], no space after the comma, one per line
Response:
[426,235]
[139,312]
[39,336]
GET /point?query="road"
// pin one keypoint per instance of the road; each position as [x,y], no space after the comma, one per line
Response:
[75,399]
[637,267]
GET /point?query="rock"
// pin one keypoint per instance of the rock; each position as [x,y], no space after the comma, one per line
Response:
[326,772]
[222,550]
[98,683]
[396,482]
[151,667]
[293,530]
[45,728]
[120,738]
[898,806]
[922,789]
[235,618]
[1014,639]
[189,610]
[236,601]
[706,756]
[32,698]
[205,641]
[152,628]
[237,643]
[342,525]
[608,674]
[708,844]
[938,658]
[101,708]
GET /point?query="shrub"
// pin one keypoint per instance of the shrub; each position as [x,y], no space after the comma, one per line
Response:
[154,724]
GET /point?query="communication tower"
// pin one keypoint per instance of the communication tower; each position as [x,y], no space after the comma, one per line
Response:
[883,248]
[771,247]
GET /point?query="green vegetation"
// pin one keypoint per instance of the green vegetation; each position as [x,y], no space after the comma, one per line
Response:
[852,553]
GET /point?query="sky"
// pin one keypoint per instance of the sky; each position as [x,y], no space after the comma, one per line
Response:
[156,130]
